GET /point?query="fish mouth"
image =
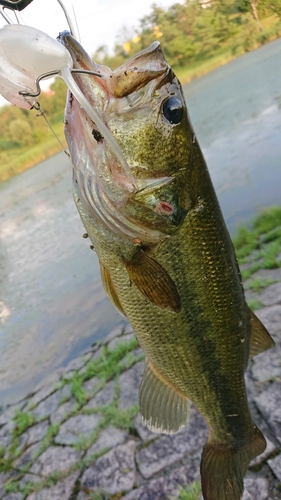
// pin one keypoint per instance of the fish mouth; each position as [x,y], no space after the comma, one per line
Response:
[106,187]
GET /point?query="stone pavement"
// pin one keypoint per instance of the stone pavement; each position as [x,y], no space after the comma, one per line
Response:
[79,435]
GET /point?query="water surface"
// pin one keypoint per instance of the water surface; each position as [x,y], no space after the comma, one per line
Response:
[52,305]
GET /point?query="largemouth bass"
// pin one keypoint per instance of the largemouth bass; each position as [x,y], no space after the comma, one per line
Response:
[167,261]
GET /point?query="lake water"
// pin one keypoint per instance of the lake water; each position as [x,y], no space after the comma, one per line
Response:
[52,305]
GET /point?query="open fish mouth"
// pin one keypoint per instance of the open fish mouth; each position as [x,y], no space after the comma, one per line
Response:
[107,180]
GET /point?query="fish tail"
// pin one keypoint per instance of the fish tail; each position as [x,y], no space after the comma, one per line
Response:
[223,467]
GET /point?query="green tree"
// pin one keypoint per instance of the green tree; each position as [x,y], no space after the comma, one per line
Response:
[21,132]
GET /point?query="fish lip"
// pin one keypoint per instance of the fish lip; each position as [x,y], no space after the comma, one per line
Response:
[80,58]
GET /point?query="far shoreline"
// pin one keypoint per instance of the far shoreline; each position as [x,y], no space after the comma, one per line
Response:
[34,155]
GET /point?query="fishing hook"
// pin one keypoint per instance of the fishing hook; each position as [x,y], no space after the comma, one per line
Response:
[24,93]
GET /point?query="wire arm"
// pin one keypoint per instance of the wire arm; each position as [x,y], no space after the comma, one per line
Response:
[24,93]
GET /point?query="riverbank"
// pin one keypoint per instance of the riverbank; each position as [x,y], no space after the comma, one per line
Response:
[78,435]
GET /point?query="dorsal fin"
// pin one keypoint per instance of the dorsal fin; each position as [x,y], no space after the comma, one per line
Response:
[261,340]
[153,281]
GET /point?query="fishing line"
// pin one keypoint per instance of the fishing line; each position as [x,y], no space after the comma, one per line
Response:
[37,107]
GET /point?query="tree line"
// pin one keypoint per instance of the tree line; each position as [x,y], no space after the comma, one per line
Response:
[197,29]
[190,33]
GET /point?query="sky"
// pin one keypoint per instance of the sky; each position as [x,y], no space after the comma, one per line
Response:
[99,21]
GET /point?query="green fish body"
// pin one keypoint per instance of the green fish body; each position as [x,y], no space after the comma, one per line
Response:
[167,261]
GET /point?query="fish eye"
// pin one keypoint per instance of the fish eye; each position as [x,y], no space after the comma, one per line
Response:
[172,110]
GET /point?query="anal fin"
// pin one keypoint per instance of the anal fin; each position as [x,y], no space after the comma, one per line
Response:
[153,281]
[261,340]
[162,408]
[110,288]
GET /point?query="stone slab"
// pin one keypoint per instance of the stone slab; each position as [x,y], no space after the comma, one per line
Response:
[13,496]
[255,488]
[143,431]
[8,414]
[271,295]
[168,449]
[112,473]
[91,386]
[103,398]
[63,411]
[50,404]
[275,465]
[271,318]
[39,396]
[77,363]
[28,455]
[6,434]
[129,385]
[108,438]
[267,365]
[120,340]
[61,491]
[34,434]
[54,459]
[83,496]
[167,487]
[3,478]
[269,404]
[77,428]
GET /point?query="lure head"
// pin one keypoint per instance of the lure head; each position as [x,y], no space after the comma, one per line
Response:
[25,55]
[142,105]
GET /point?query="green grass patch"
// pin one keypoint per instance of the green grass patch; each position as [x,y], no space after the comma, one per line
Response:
[109,365]
[192,492]
[49,438]
[258,284]
[21,159]
[255,305]
[23,422]
[47,482]
[119,418]
[12,486]
[77,390]
[260,245]
[267,220]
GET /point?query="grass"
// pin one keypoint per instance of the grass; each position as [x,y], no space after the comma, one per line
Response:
[260,246]
[21,159]
[23,421]
[258,284]
[255,305]
[192,492]
[109,364]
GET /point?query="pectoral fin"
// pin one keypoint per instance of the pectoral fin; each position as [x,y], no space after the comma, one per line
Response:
[260,338]
[110,288]
[153,281]
[162,408]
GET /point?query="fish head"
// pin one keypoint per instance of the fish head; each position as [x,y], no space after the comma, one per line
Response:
[142,105]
